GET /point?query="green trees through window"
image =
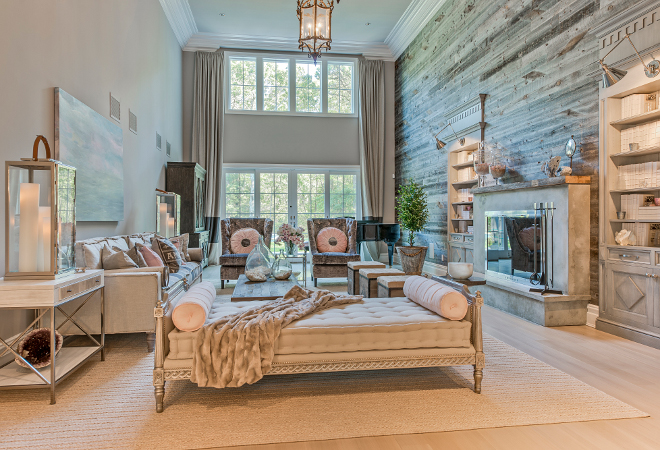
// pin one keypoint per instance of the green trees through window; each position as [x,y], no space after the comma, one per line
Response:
[276,85]
[308,87]
[244,84]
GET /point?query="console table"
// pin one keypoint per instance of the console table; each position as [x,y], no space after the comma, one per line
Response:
[46,297]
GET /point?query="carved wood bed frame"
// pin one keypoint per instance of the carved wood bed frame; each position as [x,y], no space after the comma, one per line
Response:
[164,325]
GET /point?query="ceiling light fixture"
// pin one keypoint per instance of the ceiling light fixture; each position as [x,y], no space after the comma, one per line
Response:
[315,29]
[441,144]
[612,75]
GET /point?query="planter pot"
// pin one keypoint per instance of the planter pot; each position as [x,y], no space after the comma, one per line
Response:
[412,259]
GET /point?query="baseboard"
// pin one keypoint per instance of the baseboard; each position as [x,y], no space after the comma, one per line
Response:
[592,315]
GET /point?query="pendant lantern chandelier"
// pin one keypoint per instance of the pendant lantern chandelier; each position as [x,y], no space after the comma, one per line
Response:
[315,30]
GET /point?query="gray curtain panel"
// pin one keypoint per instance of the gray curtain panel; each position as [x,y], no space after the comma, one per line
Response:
[208,130]
[372,136]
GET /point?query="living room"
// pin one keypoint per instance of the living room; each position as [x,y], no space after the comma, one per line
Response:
[432,221]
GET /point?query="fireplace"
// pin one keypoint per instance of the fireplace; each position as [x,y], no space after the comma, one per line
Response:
[519,246]
[535,256]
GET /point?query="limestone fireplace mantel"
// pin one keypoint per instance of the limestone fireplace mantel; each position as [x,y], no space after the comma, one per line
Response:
[570,248]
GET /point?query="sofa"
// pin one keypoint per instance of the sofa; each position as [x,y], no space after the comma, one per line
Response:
[130,294]
[233,264]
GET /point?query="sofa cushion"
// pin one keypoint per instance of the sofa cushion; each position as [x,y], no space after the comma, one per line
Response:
[116,259]
[135,255]
[134,239]
[334,258]
[234,259]
[119,242]
[331,240]
[244,240]
[181,243]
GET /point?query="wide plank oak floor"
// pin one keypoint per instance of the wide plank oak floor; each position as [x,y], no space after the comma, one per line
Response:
[621,368]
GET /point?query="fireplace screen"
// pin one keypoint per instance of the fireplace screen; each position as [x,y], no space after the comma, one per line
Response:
[517,246]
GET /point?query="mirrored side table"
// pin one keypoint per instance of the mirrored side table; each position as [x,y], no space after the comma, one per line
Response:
[46,298]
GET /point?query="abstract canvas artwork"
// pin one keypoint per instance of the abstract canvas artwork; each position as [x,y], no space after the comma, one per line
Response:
[94,146]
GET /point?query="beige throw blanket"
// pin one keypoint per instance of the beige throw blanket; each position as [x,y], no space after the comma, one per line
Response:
[239,349]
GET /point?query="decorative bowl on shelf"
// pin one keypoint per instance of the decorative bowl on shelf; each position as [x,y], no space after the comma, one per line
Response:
[460,270]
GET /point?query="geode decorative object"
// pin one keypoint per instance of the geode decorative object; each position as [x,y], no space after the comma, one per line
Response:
[625,237]
[550,168]
[35,348]
[564,171]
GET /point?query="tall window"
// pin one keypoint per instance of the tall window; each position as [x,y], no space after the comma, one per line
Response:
[244,84]
[276,85]
[311,197]
[285,84]
[340,88]
[343,195]
[239,194]
[308,87]
[274,197]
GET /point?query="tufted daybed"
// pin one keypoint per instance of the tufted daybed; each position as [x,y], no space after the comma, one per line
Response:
[378,333]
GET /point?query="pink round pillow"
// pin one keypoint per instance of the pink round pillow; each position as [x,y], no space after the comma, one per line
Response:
[331,239]
[244,240]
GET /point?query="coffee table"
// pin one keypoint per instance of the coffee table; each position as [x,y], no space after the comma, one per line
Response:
[271,289]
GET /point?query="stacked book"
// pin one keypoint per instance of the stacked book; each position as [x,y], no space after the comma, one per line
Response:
[641,232]
[646,136]
[634,176]
[631,204]
[466,174]
[636,104]
[648,213]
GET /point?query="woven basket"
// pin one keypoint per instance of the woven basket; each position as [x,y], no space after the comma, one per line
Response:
[412,259]
[58,346]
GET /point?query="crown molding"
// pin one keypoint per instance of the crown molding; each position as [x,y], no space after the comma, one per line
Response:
[210,42]
[181,19]
[411,23]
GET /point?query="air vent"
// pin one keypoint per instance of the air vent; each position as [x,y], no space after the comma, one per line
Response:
[132,121]
[115,110]
[159,145]
[168,149]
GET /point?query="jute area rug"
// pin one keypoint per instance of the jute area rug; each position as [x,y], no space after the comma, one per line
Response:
[111,405]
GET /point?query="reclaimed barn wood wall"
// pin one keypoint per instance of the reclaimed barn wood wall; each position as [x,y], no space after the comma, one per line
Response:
[536,60]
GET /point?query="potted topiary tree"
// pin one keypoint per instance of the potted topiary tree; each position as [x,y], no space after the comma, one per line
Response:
[413,212]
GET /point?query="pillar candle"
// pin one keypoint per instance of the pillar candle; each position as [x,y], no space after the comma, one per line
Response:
[28,234]
[162,222]
[44,238]
[170,226]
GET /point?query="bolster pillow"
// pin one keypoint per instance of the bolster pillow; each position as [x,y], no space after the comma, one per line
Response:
[192,310]
[440,299]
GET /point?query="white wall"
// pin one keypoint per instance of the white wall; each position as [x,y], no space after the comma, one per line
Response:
[89,49]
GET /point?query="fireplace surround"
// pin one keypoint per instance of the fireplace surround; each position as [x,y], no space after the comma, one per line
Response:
[510,210]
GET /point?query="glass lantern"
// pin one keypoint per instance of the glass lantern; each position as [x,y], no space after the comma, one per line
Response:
[40,220]
[497,163]
[168,214]
[259,262]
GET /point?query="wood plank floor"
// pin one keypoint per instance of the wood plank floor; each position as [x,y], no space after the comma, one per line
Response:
[621,368]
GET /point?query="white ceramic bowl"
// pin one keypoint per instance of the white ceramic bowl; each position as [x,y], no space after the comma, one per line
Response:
[460,271]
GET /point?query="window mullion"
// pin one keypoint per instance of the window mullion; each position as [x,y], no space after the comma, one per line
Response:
[327,194]
[257,193]
[292,84]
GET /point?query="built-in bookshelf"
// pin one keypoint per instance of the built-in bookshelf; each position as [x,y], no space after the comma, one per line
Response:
[461,180]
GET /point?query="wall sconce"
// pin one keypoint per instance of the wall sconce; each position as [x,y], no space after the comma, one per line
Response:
[612,75]
[440,144]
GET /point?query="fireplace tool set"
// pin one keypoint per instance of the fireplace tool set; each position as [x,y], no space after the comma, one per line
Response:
[545,213]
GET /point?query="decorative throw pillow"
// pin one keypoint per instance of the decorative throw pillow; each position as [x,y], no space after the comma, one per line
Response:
[244,240]
[118,242]
[116,260]
[181,243]
[92,254]
[135,255]
[331,239]
[441,299]
[150,257]
[169,253]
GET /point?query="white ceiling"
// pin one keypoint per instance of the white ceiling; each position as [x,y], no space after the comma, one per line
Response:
[277,18]
[273,25]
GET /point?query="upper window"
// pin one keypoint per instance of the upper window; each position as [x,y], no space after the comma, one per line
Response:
[244,84]
[340,88]
[274,84]
[308,87]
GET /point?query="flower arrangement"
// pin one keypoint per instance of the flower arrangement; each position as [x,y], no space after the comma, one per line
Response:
[291,237]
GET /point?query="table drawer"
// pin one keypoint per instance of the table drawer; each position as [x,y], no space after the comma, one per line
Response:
[469,239]
[631,256]
[91,283]
[73,289]
[70,290]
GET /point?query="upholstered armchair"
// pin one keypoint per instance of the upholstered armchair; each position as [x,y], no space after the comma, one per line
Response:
[233,264]
[332,264]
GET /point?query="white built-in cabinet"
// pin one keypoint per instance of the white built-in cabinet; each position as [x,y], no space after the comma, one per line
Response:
[461,179]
